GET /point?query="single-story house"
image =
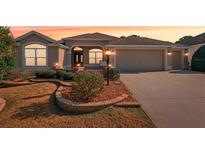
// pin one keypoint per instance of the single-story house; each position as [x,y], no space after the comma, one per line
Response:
[131,54]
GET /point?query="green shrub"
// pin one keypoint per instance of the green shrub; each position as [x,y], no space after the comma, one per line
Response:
[60,74]
[45,74]
[87,85]
[64,75]
[114,73]
[68,76]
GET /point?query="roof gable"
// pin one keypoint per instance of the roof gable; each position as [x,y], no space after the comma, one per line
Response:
[136,40]
[50,40]
[35,33]
[92,36]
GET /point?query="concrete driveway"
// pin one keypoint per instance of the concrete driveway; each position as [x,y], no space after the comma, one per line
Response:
[171,99]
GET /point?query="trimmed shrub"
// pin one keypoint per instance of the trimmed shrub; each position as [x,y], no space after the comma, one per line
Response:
[64,75]
[114,74]
[45,74]
[68,76]
[60,74]
[87,85]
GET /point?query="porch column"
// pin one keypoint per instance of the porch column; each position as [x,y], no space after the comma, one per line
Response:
[68,59]
[185,60]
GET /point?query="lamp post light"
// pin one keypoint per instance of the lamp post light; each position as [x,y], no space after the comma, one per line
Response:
[108,54]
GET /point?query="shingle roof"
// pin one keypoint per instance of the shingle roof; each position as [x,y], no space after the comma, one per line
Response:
[50,40]
[92,36]
[36,33]
[199,39]
[136,40]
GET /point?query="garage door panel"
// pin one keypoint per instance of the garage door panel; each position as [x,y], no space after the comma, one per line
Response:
[139,61]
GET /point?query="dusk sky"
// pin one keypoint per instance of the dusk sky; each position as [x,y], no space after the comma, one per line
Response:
[166,33]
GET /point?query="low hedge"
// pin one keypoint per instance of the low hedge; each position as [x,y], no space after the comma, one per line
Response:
[60,74]
[45,74]
[64,75]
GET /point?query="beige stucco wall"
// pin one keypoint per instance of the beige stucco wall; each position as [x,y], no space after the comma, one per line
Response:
[52,52]
[61,57]
[176,59]
[179,59]
[137,60]
[19,56]
[53,55]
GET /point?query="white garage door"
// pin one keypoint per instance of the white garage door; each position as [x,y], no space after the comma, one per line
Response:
[140,60]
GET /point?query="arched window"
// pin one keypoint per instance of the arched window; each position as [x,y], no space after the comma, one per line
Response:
[95,56]
[35,55]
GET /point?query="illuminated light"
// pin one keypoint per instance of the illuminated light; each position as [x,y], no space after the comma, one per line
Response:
[108,52]
[186,54]
[56,64]
[109,65]
[78,65]
[169,53]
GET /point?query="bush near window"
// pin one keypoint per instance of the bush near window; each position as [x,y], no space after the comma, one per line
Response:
[45,74]
[114,73]
[87,85]
[60,74]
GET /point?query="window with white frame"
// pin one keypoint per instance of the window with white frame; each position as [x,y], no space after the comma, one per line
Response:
[35,55]
[95,56]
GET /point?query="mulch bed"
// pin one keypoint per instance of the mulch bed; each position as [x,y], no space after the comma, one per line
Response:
[115,89]
[34,106]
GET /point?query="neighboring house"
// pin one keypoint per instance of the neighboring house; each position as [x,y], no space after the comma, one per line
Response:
[131,54]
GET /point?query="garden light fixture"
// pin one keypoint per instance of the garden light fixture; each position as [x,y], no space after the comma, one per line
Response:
[108,53]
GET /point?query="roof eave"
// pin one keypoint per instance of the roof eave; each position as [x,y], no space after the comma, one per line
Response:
[85,39]
[145,46]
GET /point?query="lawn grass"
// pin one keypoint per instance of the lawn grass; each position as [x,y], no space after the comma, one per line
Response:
[34,106]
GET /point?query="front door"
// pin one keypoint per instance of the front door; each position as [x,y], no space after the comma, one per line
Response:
[78,58]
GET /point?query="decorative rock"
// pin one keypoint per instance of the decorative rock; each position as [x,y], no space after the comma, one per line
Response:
[67,84]
[68,105]
[2,103]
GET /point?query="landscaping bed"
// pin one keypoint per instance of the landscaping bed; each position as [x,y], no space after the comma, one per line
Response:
[34,106]
[115,89]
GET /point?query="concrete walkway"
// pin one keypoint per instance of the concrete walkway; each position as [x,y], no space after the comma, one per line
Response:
[175,99]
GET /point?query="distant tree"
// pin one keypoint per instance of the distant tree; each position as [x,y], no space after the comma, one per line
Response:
[7,52]
[136,35]
[122,36]
[184,38]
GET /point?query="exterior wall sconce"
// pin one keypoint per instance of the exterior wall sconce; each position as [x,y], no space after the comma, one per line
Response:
[169,53]
[56,66]
[186,53]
